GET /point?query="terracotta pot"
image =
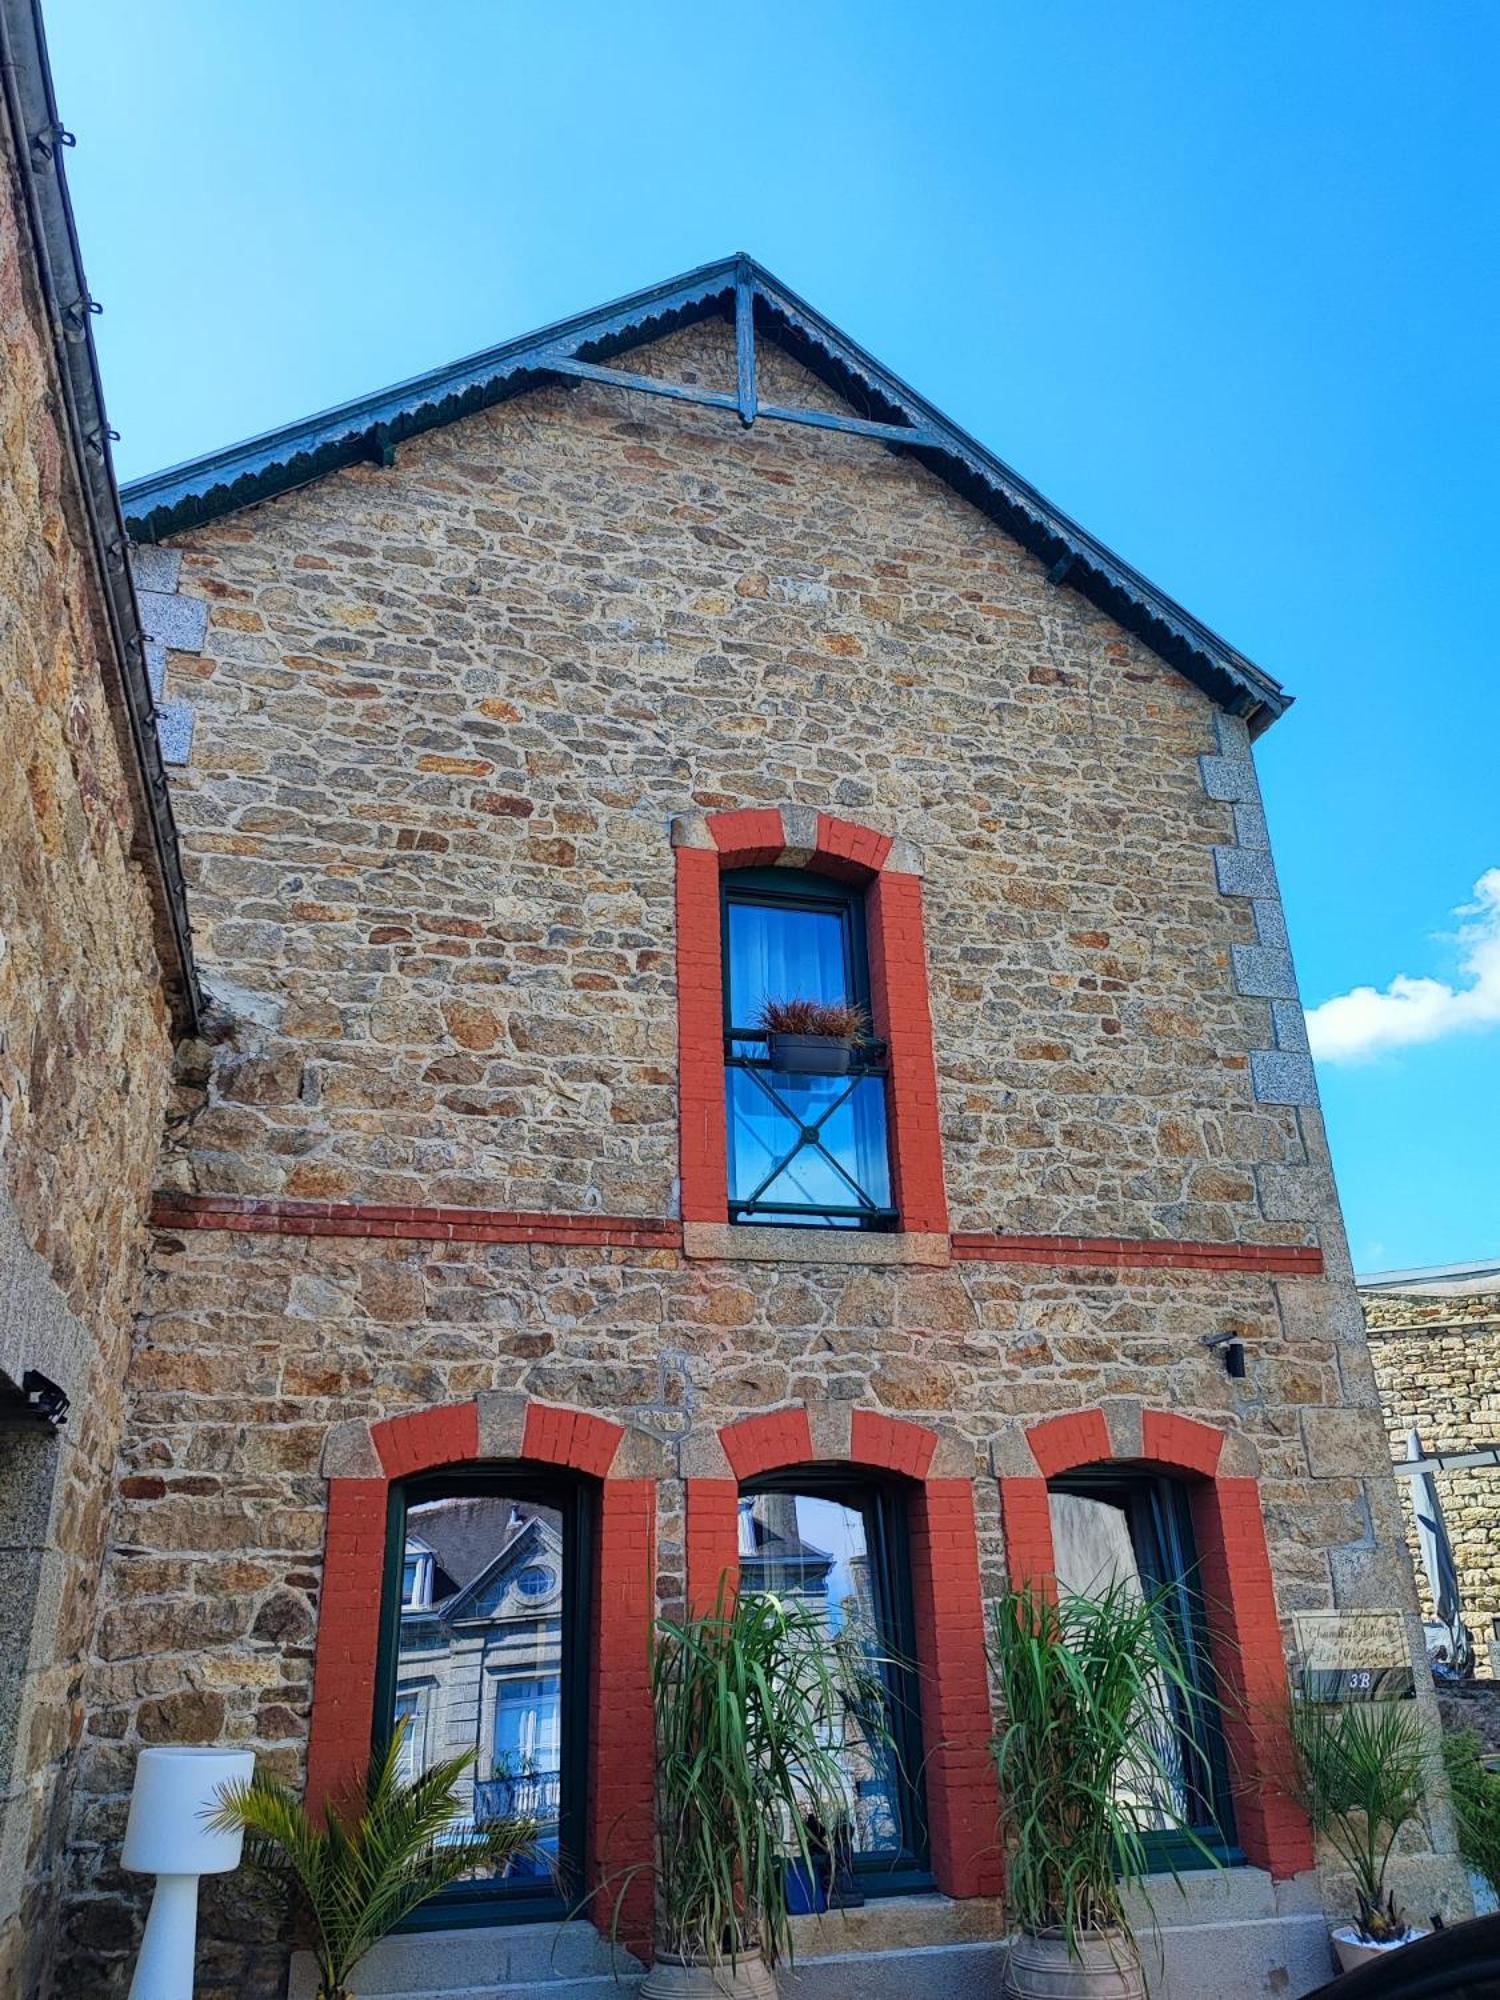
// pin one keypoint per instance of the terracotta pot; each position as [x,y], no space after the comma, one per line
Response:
[1040,1967]
[1352,1950]
[673,1978]
[809,1055]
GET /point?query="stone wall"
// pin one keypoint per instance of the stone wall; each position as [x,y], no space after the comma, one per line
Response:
[444,716]
[1437,1360]
[84,1075]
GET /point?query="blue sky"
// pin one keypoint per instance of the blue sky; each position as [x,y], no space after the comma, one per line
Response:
[1222,281]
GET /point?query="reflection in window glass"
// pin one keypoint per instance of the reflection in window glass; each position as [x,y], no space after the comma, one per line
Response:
[411,1712]
[814,1552]
[479,1664]
[1136,1534]
[416,1577]
[807,1149]
[771,1162]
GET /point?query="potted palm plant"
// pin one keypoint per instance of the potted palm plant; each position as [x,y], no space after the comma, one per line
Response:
[358,1870]
[748,1704]
[1086,1771]
[1474,1785]
[1361,1777]
[813,1037]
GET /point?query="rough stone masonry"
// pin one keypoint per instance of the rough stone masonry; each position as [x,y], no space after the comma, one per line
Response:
[85,1073]
[1437,1361]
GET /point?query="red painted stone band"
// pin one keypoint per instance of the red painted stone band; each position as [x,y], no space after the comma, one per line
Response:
[1124,1253]
[278,1215]
[275,1215]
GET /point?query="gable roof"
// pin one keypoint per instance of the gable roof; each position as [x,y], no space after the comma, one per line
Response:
[533,1538]
[735,287]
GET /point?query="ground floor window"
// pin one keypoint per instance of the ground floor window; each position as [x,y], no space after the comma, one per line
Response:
[840,1547]
[484,1650]
[1109,1527]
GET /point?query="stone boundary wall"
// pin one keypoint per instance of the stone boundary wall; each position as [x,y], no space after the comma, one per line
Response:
[1437,1361]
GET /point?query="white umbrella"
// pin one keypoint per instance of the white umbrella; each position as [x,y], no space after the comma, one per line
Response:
[1437,1560]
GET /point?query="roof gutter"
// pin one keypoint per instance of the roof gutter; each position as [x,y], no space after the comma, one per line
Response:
[38,140]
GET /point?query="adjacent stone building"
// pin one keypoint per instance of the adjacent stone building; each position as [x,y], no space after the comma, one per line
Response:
[96,982]
[1435,1342]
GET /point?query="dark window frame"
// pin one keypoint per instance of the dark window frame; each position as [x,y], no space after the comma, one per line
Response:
[884,1506]
[796,888]
[1159,1510]
[472,1905]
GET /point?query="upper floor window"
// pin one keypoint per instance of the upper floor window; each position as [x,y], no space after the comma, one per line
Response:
[807,1137]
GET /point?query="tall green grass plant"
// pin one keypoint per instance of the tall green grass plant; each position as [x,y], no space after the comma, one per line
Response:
[1476,1803]
[1095,1694]
[750,1703]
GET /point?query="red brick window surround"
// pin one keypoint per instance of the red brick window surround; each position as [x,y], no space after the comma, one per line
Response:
[952,1672]
[620,1820]
[900,1005]
[1238,1592]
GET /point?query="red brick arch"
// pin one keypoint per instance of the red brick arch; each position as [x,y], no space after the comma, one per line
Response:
[1235,1568]
[620,1823]
[899,998]
[962,1805]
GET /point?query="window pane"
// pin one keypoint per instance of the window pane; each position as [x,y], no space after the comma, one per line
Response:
[479,1666]
[777,952]
[1094,1548]
[814,1553]
[765,1127]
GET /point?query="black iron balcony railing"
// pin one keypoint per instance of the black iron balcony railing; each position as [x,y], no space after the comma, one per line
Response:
[807,1148]
[530,1795]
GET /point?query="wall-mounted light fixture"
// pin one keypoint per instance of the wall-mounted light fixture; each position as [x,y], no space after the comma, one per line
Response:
[37,1404]
[1233,1350]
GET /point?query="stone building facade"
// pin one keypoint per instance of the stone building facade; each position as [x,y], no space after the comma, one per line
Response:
[497,686]
[1435,1343]
[95,985]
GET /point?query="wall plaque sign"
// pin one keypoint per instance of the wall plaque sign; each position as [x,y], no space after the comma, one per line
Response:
[1351,1656]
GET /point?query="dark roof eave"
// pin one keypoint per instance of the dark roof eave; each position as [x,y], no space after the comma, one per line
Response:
[38,139]
[183,496]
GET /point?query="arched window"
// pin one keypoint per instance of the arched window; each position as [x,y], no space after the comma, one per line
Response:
[806,1125]
[837,1544]
[1115,1525]
[484,1650]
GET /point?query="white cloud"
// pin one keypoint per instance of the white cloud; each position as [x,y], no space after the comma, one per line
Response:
[1363,1023]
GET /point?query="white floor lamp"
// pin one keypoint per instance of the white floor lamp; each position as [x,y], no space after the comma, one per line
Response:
[168,1836]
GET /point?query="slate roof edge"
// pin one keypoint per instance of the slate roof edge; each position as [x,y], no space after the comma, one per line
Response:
[222,482]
